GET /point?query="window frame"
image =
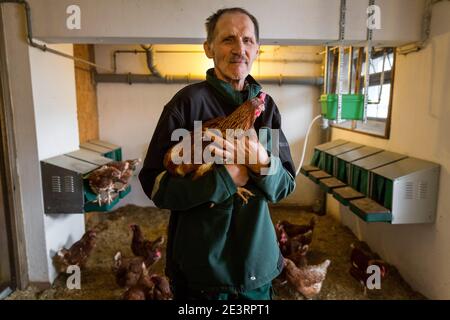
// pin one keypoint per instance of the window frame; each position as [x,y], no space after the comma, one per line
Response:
[388,121]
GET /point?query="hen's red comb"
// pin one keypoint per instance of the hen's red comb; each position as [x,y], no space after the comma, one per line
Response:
[262,96]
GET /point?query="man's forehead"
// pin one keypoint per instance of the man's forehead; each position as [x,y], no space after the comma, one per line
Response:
[233,23]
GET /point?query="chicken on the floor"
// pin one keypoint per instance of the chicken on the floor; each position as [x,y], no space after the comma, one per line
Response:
[330,241]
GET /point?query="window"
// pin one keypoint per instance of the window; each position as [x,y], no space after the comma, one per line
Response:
[381,78]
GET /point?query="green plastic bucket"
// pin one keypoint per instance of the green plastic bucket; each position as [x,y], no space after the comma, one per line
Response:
[352,106]
[329,104]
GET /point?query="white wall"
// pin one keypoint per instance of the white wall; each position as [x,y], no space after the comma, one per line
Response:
[42,93]
[54,97]
[128,114]
[53,81]
[181,21]
[420,128]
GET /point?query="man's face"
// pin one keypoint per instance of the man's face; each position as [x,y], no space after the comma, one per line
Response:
[234,47]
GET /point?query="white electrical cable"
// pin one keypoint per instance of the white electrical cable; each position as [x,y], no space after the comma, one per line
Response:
[306,143]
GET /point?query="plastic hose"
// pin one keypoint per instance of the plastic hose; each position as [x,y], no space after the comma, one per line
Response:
[306,143]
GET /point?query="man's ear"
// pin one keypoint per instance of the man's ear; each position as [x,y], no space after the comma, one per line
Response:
[208,50]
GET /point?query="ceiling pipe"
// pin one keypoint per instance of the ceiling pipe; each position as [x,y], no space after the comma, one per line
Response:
[151,66]
[426,30]
[43,47]
[186,79]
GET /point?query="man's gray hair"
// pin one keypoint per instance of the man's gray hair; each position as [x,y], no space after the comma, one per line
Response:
[211,22]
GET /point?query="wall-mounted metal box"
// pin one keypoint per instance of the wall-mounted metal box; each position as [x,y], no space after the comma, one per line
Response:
[318,159]
[331,154]
[66,190]
[409,188]
[344,160]
[106,149]
[360,170]
[383,186]
[89,156]
[62,183]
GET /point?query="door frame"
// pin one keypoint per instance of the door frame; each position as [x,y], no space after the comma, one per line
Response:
[10,180]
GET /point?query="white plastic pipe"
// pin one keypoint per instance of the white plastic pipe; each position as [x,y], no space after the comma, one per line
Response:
[306,143]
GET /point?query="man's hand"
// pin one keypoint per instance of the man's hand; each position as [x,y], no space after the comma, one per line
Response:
[245,150]
[255,150]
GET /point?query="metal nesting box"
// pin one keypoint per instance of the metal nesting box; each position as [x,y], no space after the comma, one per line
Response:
[89,156]
[115,153]
[343,161]
[106,149]
[62,182]
[409,187]
[105,144]
[361,169]
[318,159]
[331,155]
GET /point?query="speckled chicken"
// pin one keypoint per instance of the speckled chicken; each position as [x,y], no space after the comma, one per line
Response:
[142,247]
[101,182]
[308,279]
[299,258]
[126,169]
[361,259]
[77,254]
[243,118]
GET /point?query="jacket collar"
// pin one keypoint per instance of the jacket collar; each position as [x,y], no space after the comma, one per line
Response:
[234,97]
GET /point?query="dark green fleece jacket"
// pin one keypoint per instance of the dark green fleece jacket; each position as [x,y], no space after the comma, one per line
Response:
[230,247]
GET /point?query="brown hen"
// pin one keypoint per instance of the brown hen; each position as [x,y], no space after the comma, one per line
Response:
[101,182]
[294,229]
[361,259]
[77,254]
[129,270]
[161,290]
[243,118]
[142,247]
[126,169]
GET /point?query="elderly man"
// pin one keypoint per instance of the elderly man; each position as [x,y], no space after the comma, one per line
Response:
[227,250]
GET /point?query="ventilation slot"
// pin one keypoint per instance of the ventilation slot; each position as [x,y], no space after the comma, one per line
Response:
[69,184]
[56,184]
[409,190]
[423,190]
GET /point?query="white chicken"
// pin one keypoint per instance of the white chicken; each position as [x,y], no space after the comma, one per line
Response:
[306,279]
